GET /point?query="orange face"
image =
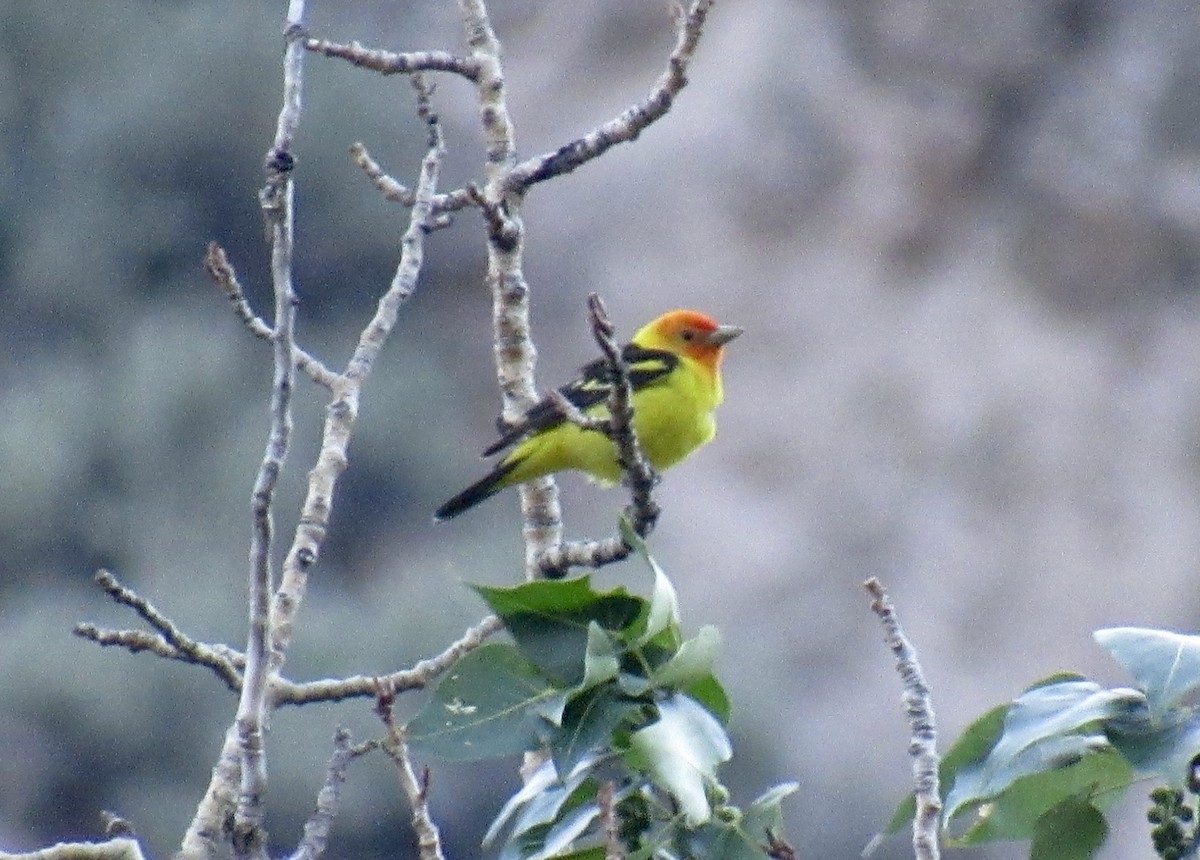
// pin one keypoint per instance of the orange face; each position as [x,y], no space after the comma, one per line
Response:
[693,334]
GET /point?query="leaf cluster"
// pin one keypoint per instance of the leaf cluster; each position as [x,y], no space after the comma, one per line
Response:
[606,688]
[1047,766]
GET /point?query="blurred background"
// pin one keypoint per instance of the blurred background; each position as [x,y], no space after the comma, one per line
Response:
[963,238]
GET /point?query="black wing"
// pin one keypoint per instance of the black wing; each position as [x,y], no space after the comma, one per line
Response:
[646,367]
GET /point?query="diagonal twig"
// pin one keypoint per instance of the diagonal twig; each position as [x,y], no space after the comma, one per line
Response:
[217,264]
[337,689]
[170,641]
[398,192]
[631,122]
[320,823]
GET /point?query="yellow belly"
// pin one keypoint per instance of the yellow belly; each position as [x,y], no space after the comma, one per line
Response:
[671,422]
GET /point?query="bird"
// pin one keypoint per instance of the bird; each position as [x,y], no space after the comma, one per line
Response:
[674,365]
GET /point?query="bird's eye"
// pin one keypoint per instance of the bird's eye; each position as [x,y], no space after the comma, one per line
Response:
[688,334]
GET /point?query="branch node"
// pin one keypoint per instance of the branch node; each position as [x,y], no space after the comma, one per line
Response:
[115,825]
[503,232]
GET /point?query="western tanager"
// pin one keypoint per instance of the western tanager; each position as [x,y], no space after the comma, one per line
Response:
[675,372]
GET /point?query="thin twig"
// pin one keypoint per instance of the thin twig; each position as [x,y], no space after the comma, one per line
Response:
[171,642]
[239,778]
[918,705]
[636,472]
[320,823]
[614,849]
[136,641]
[398,192]
[631,122]
[420,675]
[217,264]
[122,848]
[391,63]
[555,562]
[416,789]
[342,413]
[278,204]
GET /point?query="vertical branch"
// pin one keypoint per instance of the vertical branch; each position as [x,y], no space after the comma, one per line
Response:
[514,350]
[242,761]
[277,198]
[918,705]
[209,828]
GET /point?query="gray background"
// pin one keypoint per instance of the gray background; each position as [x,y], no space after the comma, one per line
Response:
[962,236]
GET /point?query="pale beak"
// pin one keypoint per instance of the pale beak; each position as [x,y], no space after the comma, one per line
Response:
[723,335]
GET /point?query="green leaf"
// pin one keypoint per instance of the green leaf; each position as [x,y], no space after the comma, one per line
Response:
[589,722]
[972,747]
[1099,778]
[691,663]
[492,703]
[1072,830]
[733,835]
[662,613]
[680,753]
[541,804]
[1165,664]
[549,620]
[1047,727]
[601,660]
[709,693]
[1165,750]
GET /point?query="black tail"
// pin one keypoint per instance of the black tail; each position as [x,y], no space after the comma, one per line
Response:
[484,488]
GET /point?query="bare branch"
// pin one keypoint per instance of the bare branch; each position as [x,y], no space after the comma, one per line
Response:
[171,642]
[336,689]
[632,121]
[918,705]
[429,841]
[515,354]
[390,63]
[128,597]
[556,561]
[613,847]
[636,472]
[136,641]
[503,231]
[239,778]
[278,198]
[316,829]
[343,412]
[391,190]
[217,264]
[122,848]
